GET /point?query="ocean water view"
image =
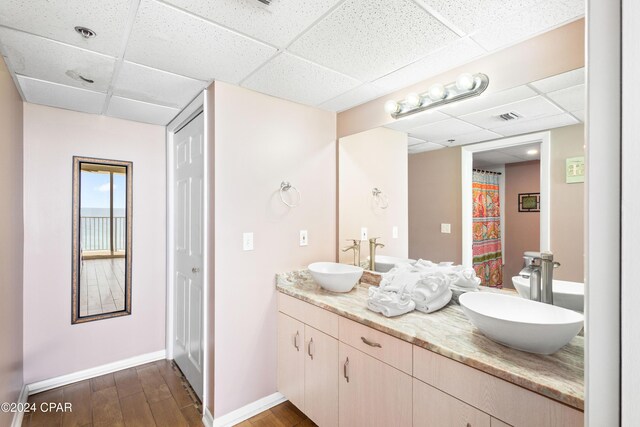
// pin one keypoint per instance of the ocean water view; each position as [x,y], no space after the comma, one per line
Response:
[95,229]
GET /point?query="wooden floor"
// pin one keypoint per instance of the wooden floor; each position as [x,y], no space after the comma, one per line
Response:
[155,394]
[101,286]
[283,415]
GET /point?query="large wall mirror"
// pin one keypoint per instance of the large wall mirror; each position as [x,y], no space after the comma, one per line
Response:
[102,212]
[464,184]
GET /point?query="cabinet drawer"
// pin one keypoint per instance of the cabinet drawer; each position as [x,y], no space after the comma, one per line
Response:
[431,407]
[386,348]
[316,317]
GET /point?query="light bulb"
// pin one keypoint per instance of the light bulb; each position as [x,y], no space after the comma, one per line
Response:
[391,107]
[532,152]
[465,81]
[437,92]
[413,100]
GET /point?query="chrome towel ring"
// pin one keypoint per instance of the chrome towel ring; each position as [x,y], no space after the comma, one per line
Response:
[285,186]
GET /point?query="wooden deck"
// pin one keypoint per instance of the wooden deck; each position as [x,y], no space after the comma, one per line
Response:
[101,286]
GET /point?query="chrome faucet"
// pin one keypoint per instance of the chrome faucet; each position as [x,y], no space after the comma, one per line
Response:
[373,244]
[538,267]
[356,251]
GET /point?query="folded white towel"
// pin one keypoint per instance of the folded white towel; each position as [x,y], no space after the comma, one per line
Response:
[437,303]
[463,277]
[389,304]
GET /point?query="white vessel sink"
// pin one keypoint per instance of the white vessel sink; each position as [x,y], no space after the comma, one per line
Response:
[335,277]
[521,323]
[385,263]
[565,294]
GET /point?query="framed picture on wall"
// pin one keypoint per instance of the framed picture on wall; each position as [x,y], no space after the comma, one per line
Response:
[529,202]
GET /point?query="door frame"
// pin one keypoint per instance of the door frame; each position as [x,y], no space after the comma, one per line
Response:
[544,138]
[194,108]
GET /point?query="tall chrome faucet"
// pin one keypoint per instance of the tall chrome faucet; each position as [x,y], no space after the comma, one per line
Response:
[538,267]
[356,251]
[373,245]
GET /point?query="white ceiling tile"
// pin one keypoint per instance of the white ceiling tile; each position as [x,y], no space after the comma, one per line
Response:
[278,23]
[61,96]
[289,77]
[416,120]
[154,86]
[470,138]
[560,81]
[485,101]
[425,146]
[521,151]
[56,19]
[443,130]
[365,39]
[571,99]
[579,115]
[174,41]
[499,32]
[352,98]
[470,15]
[454,54]
[44,59]
[414,141]
[527,109]
[493,158]
[139,111]
[536,125]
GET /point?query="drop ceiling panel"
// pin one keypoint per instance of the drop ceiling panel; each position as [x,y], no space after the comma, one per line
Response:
[57,95]
[158,87]
[456,53]
[414,141]
[364,39]
[174,41]
[278,24]
[416,120]
[571,99]
[470,138]
[421,148]
[56,19]
[352,98]
[498,33]
[493,158]
[579,115]
[443,130]
[299,80]
[138,111]
[44,59]
[488,100]
[560,81]
[536,125]
[528,109]
[520,151]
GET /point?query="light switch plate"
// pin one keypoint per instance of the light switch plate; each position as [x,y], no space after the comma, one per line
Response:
[445,228]
[304,238]
[364,234]
[394,232]
[247,241]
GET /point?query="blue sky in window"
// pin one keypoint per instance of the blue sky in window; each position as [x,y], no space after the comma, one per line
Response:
[94,190]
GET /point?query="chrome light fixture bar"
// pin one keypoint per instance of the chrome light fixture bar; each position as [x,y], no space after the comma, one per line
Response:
[466,86]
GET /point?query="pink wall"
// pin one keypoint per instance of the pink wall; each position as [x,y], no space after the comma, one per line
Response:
[259,142]
[52,346]
[522,229]
[11,241]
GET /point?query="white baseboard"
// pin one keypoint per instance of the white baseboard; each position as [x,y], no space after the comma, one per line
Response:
[60,381]
[22,399]
[244,413]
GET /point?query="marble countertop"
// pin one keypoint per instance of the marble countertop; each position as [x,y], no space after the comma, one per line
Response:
[559,376]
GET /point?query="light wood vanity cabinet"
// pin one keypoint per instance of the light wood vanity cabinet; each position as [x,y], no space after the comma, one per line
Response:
[320,379]
[291,359]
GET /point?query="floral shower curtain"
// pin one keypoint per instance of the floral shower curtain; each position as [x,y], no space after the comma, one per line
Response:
[487,246]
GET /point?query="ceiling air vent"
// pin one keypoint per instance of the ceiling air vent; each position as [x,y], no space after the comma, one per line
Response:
[509,116]
[267,2]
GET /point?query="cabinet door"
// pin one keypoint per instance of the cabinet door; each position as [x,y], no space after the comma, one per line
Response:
[321,381]
[372,393]
[431,407]
[291,359]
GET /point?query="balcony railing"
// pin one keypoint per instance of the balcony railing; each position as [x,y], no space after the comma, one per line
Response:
[95,233]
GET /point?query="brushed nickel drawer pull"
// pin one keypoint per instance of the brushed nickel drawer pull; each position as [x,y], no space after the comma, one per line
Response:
[295,341]
[310,350]
[370,343]
[346,369]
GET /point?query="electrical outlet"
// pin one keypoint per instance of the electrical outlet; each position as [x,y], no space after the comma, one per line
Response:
[304,238]
[394,232]
[364,234]
[445,228]
[247,241]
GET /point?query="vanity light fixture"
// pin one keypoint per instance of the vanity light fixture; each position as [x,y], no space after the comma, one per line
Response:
[466,86]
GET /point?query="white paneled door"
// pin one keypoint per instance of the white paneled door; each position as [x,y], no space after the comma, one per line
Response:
[188,150]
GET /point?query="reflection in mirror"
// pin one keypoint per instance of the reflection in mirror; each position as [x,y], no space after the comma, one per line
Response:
[101,282]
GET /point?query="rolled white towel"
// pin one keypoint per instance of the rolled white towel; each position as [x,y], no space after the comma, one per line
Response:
[463,277]
[430,286]
[389,304]
[399,281]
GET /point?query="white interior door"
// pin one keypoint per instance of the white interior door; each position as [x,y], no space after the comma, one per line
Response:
[188,327]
